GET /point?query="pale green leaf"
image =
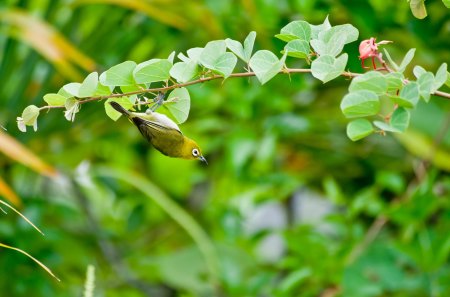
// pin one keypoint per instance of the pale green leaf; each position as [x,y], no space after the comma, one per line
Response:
[418,8]
[394,81]
[119,75]
[418,71]
[316,29]
[359,129]
[30,115]
[391,61]
[89,86]
[266,65]
[184,71]
[248,45]
[440,78]
[103,90]
[349,32]
[194,53]
[125,102]
[236,47]
[178,104]
[295,30]
[400,119]
[425,83]
[54,99]
[333,47]
[371,81]
[406,60]
[328,67]
[152,71]
[386,127]
[408,97]
[297,48]
[360,104]
[73,89]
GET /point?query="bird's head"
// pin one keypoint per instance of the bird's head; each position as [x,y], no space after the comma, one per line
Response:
[192,151]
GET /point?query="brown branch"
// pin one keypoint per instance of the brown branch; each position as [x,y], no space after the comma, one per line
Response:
[214,77]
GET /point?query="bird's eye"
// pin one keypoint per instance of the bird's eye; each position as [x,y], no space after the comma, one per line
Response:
[195,152]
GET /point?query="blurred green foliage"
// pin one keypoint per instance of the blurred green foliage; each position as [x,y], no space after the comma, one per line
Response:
[292,207]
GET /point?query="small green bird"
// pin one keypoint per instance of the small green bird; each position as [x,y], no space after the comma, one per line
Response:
[163,134]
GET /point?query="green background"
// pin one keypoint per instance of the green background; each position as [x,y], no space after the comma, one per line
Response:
[291,206]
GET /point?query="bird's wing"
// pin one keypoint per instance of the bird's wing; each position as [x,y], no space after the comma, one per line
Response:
[149,128]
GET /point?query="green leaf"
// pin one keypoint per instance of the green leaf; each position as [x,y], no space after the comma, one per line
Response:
[418,8]
[64,93]
[371,81]
[447,82]
[316,29]
[349,32]
[440,78]
[425,83]
[385,127]
[446,3]
[400,119]
[394,81]
[406,60]
[295,30]
[178,104]
[358,129]
[236,47]
[297,48]
[184,71]
[119,75]
[225,64]
[215,57]
[30,115]
[266,65]
[333,47]
[418,71]
[243,52]
[152,70]
[391,61]
[409,95]
[171,57]
[114,114]
[195,53]
[73,89]
[89,86]
[103,90]
[248,45]
[328,67]
[360,104]
[54,99]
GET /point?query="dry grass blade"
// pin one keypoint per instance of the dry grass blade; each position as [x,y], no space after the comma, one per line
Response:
[16,151]
[9,194]
[47,41]
[163,15]
[32,258]
[23,217]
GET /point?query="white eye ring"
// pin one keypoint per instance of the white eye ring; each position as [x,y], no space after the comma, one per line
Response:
[195,152]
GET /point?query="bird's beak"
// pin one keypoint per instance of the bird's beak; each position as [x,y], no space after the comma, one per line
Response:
[201,158]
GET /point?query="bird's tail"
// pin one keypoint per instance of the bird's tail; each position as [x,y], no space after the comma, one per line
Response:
[119,108]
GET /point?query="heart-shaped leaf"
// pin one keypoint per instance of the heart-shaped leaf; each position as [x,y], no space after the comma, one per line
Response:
[359,129]
[178,104]
[328,67]
[360,104]
[266,65]
[119,75]
[152,70]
